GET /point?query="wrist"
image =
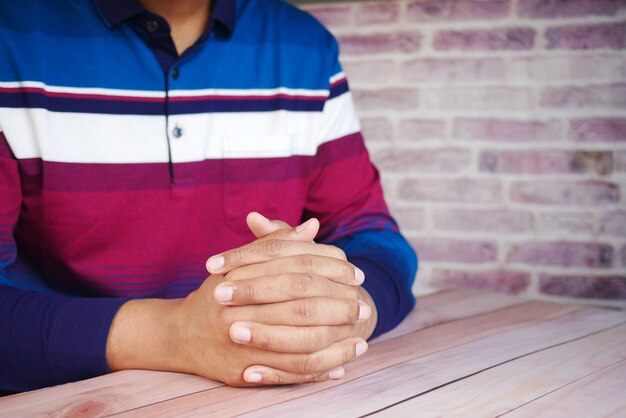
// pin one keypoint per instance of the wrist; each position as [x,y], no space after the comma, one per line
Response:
[143,335]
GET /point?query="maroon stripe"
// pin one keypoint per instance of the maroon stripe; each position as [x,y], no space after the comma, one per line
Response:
[95,96]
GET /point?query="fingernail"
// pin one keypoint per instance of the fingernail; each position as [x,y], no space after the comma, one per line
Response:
[337,373]
[216,262]
[302,226]
[252,377]
[361,348]
[240,333]
[359,275]
[364,311]
[224,293]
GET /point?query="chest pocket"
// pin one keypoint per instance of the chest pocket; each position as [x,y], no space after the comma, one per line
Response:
[260,174]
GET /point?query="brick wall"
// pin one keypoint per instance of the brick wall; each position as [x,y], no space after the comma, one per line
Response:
[499,127]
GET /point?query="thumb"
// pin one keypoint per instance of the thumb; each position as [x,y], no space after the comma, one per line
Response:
[263,228]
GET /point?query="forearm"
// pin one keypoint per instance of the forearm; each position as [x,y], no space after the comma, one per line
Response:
[51,339]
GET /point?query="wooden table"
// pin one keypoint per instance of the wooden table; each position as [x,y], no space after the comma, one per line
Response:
[460,353]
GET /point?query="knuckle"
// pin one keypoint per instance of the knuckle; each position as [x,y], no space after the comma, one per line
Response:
[301,284]
[338,253]
[346,271]
[312,341]
[305,364]
[306,309]
[267,342]
[347,355]
[272,247]
[306,263]
[245,292]
[353,312]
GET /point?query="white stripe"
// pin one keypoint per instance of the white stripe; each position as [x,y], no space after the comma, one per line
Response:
[339,118]
[161,94]
[337,76]
[97,138]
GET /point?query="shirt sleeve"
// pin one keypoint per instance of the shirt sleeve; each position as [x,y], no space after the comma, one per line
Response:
[345,194]
[45,339]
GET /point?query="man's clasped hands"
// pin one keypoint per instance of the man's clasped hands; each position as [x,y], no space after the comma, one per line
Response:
[280,310]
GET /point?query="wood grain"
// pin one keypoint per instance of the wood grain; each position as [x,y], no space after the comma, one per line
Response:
[228,401]
[132,389]
[458,354]
[493,392]
[449,305]
[103,395]
[598,395]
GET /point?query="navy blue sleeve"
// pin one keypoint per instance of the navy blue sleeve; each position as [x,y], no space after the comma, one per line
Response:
[51,339]
[390,266]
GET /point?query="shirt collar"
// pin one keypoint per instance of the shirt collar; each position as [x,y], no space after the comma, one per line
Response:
[116,11]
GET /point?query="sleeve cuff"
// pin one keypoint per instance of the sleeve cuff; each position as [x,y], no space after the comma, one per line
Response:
[78,338]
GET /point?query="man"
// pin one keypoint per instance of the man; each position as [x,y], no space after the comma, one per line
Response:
[136,139]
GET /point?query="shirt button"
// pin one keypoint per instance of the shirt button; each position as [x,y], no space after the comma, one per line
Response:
[152,25]
[175,73]
[177,131]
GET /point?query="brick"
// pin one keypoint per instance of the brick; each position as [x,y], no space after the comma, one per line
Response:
[596,66]
[598,130]
[370,72]
[619,161]
[409,219]
[546,162]
[566,223]
[455,250]
[505,281]
[485,39]
[332,16]
[376,129]
[483,220]
[397,42]
[554,192]
[507,130]
[612,36]
[453,10]
[441,160]
[550,9]
[451,190]
[377,13]
[595,287]
[450,70]
[562,254]
[614,224]
[422,129]
[472,99]
[609,96]
[386,99]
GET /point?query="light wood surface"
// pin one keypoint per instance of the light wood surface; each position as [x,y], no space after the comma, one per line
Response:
[459,353]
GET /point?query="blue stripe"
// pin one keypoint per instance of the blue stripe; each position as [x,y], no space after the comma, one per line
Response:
[115,107]
[338,90]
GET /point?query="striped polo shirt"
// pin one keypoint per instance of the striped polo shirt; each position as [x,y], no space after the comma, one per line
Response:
[124,166]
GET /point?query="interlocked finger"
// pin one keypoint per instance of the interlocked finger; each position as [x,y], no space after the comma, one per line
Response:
[286,339]
[281,288]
